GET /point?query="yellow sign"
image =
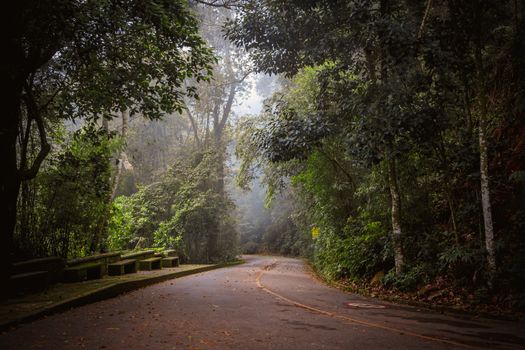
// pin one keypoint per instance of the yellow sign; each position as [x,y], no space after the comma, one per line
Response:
[315,232]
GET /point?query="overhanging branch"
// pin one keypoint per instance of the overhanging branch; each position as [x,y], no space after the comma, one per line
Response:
[424,20]
[228,4]
[34,114]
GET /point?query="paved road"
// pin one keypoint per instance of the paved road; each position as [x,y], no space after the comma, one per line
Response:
[267,303]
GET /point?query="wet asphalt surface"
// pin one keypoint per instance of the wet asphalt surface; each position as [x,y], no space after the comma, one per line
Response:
[267,303]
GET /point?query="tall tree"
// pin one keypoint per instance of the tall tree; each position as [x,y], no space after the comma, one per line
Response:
[70,59]
[402,80]
[209,116]
[488,31]
[375,41]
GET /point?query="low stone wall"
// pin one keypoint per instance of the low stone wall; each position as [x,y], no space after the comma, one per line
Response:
[104,259]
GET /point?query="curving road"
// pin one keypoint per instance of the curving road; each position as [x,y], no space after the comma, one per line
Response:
[267,303]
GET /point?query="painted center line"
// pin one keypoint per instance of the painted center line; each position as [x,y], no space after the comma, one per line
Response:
[351,319]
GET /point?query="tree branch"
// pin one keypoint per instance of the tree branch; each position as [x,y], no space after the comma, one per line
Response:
[424,20]
[24,143]
[48,102]
[338,165]
[34,114]
[237,81]
[228,107]
[193,126]
[227,4]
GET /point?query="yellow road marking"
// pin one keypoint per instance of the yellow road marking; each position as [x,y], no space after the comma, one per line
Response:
[354,320]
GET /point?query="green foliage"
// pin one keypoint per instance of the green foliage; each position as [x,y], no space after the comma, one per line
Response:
[385,99]
[120,225]
[282,237]
[456,255]
[106,56]
[387,88]
[411,278]
[165,236]
[250,248]
[69,197]
[88,60]
[182,210]
[356,255]
[325,184]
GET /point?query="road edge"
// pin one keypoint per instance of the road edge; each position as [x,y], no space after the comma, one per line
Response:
[107,292]
[444,309]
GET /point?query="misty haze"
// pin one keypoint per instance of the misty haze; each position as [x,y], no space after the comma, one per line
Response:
[263,174]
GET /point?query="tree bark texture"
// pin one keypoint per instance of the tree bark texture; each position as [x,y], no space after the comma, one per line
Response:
[396,217]
[485,199]
[483,146]
[123,156]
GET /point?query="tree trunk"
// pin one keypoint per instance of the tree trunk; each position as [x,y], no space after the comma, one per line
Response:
[9,182]
[103,223]
[485,198]
[396,217]
[442,156]
[23,213]
[452,213]
[483,147]
[194,128]
[219,123]
[123,157]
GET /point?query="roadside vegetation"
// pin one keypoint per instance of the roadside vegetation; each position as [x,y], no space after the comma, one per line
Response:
[121,131]
[390,150]
[398,132]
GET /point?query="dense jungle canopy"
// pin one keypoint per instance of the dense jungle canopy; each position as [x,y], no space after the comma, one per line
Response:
[383,140]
